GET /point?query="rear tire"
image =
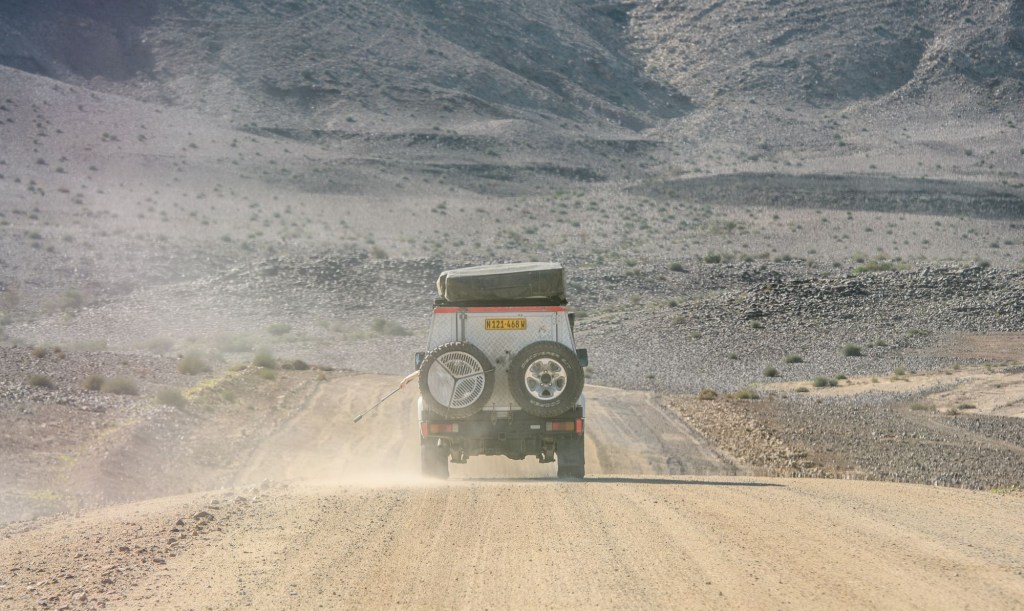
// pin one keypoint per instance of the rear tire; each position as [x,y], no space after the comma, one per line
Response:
[545,379]
[569,453]
[433,460]
[456,380]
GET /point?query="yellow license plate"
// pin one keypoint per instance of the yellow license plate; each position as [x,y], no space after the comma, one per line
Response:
[504,324]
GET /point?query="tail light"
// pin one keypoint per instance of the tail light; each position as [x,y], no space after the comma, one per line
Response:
[579,425]
[438,428]
[567,426]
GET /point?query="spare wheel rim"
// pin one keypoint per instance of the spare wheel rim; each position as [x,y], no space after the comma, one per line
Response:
[545,379]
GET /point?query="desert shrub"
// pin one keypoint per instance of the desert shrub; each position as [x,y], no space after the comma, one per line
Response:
[266,374]
[803,389]
[171,396]
[71,300]
[299,365]
[193,363]
[676,267]
[233,342]
[771,372]
[40,352]
[386,327]
[279,328]
[712,258]
[874,265]
[41,381]
[94,382]
[922,407]
[852,350]
[707,395]
[378,253]
[822,382]
[747,394]
[264,358]
[120,385]
[159,345]
[793,358]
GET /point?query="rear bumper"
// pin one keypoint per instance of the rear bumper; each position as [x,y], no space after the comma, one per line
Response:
[513,434]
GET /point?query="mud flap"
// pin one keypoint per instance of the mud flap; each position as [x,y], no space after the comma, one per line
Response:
[570,452]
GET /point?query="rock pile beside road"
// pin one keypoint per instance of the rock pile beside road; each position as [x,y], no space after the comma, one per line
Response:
[847,438]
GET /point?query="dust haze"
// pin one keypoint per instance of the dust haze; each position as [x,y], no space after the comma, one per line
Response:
[793,238]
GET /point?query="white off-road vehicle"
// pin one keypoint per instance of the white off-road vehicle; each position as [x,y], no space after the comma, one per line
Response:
[502,374]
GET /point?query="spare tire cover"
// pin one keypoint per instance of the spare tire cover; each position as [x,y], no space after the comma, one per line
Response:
[456,380]
[545,378]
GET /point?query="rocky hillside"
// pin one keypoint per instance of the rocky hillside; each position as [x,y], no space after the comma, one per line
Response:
[823,54]
[328,65]
[378,66]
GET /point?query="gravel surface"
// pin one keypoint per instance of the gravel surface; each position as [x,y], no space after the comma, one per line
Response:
[885,439]
[752,316]
[736,321]
[372,533]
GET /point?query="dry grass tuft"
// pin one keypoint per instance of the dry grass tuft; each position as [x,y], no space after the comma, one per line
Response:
[120,385]
[94,382]
[41,381]
[193,363]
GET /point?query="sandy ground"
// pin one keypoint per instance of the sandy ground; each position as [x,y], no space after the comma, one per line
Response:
[344,520]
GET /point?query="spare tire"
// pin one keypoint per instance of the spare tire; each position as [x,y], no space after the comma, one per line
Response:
[545,378]
[456,380]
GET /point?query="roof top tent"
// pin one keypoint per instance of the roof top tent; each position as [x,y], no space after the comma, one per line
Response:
[534,283]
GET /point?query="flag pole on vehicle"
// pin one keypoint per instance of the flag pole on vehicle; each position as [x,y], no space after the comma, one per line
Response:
[405,381]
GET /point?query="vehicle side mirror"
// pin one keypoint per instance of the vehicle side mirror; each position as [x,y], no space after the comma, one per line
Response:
[419,359]
[581,354]
[572,321]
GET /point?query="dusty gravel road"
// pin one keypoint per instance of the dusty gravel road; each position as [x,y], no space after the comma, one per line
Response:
[354,526]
